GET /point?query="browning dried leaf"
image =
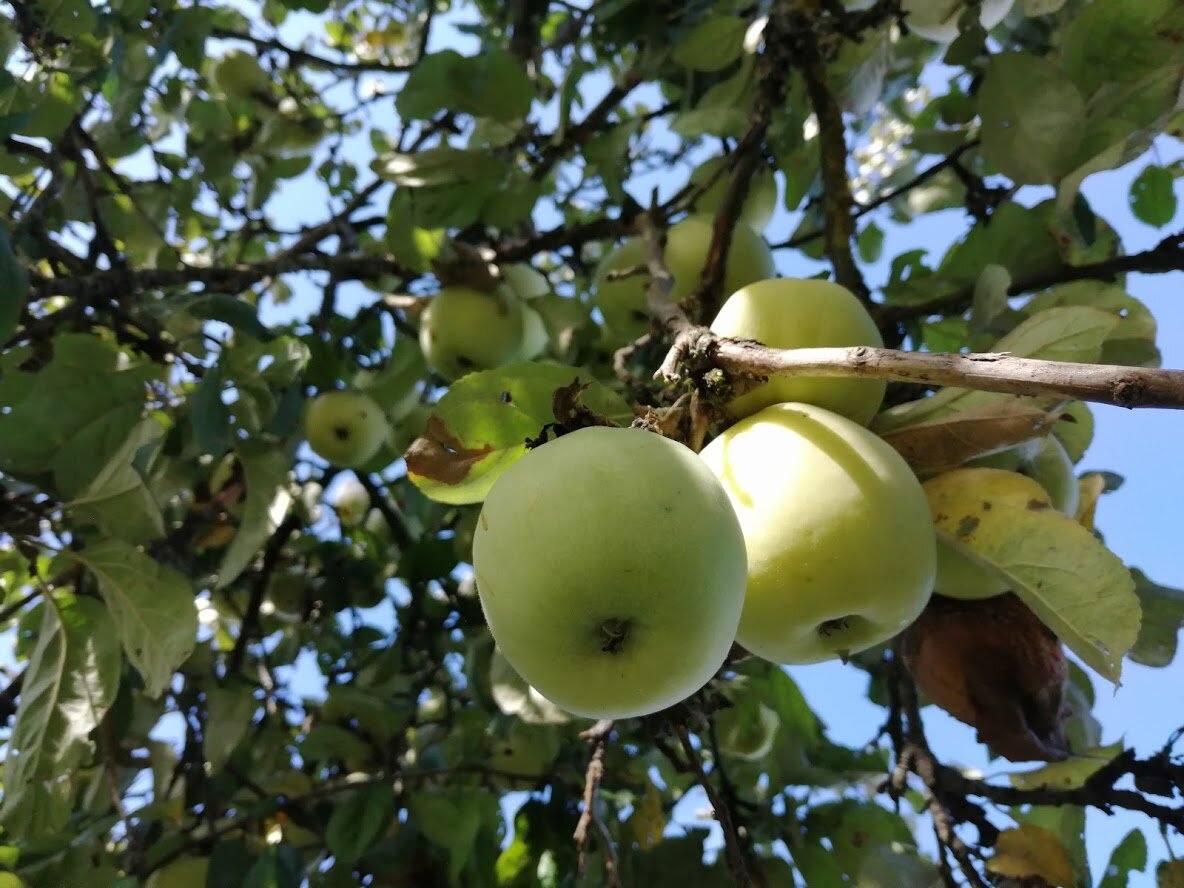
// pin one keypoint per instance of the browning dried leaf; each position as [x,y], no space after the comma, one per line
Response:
[994,666]
[943,444]
[570,411]
[441,456]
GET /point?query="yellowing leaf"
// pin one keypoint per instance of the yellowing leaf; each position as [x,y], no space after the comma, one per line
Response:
[1031,851]
[1076,586]
[1090,486]
[648,822]
[1170,874]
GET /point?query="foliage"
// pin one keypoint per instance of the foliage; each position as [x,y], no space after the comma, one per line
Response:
[213,212]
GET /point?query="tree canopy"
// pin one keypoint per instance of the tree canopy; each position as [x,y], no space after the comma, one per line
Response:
[244,641]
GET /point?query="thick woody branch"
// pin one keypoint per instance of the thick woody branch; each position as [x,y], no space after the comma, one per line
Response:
[1102,384]
[837,202]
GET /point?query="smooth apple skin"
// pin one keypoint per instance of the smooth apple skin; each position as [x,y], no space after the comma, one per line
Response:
[622,302]
[463,330]
[345,428]
[954,499]
[841,548]
[937,20]
[610,567]
[759,204]
[793,313]
[1046,462]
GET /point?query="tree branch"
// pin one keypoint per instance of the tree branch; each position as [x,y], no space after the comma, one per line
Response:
[732,848]
[597,736]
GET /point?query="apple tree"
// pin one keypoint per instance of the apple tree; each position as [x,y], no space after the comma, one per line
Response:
[436,435]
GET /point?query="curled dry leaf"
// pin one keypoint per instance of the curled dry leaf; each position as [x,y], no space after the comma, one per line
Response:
[570,410]
[948,442]
[993,665]
[441,456]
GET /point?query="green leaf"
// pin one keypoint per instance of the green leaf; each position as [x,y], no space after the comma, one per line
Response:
[209,416]
[451,819]
[1076,586]
[886,868]
[434,167]
[1118,41]
[71,681]
[1153,196]
[1163,613]
[229,310]
[411,245]
[479,428]
[14,288]
[151,606]
[491,84]
[711,45]
[1128,856]
[854,829]
[229,710]
[1017,238]
[267,503]
[1065,333]
[84,387]
[1033,118]
[359,820]
[870,242]
[117,499]
[1132,340]
[1069,774]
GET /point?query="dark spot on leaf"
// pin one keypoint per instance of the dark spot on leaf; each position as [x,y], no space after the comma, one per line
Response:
[507,398]
[441,456]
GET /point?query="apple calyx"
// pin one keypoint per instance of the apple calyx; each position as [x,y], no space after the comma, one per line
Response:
[616,632]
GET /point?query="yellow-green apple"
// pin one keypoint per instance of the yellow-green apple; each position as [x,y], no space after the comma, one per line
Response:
[463,330]
[793,313]
[622,301]
[937,20]
[351,501]
[610,567]
[956,498]
[841,548]
[534,335]
[759,203]
[1046,462]
[526,752]
[345,428]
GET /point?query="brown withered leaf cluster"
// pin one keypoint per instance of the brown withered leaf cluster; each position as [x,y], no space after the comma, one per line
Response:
[994,666]
[438,454]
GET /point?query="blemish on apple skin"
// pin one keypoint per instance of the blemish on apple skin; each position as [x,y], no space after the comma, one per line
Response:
[1037,506]
[966,526]
[341,433]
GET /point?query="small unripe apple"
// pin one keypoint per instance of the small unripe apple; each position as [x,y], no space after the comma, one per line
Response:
[534,335]
[288,593]
[463,330]
[841,547]
[351,501]
[345,428]
[610,567]
[526,751]
[238,75]
[956,498]
[747,730]
[792,313]
[183,872]
[759,203]
[937,20]
[525,280]
[622,301]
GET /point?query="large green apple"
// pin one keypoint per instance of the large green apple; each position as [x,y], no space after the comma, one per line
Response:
[1046,462]
[346,428]
[955,499]
[841,547]
[937,20]
[622,301]
[758,204]
[792,313]
[610,567]
[463,330]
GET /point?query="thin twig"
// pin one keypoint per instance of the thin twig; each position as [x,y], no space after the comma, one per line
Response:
[598,736]
[732,849]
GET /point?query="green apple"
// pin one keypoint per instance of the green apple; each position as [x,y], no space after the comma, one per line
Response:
[525,280]
[1044,461]
[534,335]
[937,20]
[351,501]
[955,499]
[238,75]
[345,428]
[758,204]
[622,301]
[183,872]
[747,730]
[841,547]
[288,593]
[463,330]
[793,313]
[526,751]
[610,568]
